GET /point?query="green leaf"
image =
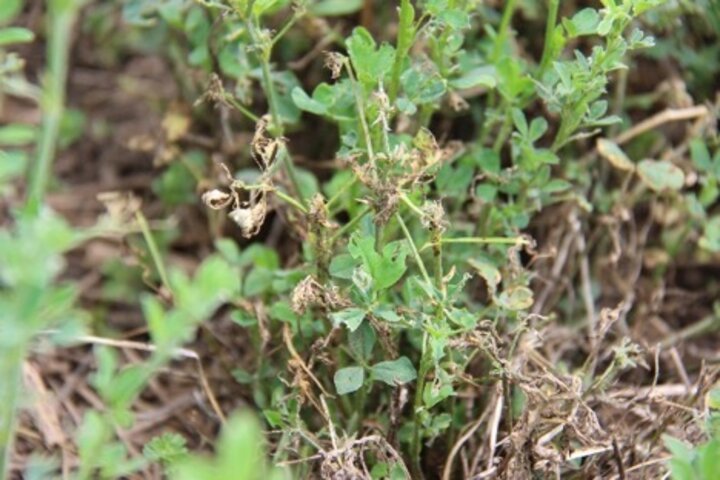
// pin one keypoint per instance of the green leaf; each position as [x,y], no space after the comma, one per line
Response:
[455,18]
[167,448]
[348,380]
[709,461]
[435,392]
[477,77]
[282,312]
[13,35]
[679,449]
[362,341]
[239,455]
[342,266]
[710,239]
[304,102]
[463,318]
[331,8]
[350,317]
[406,28]
[308,182]
[9,9]
[385,269]
[12,164]
[611,152]
[17,134]
[660,175]
[584,22]
[700,155]
[371,65]
[394,372]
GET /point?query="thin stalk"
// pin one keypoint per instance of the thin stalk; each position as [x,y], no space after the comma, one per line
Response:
[279,193]
[505,130]
[439,274]
[338,195]
[406,34]
[241,108]
[416,447]
[618,99]
[276,126]
[290,200]
[62,18]
[361,114]
[478,240]
[503,29]
[413,249]
[293,20]
[349,226]
[10,381]
[415,209]
[549,31]
[154,250]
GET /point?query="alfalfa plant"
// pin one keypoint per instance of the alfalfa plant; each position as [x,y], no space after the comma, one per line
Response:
[31,249]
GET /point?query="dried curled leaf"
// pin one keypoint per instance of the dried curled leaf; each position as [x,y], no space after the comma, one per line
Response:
[121,206]
[250,216]
[334,62]
[217,199]
[264,147]
[434,217]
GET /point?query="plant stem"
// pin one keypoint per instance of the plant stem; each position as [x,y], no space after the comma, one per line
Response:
[503,29]
[285,29]
[338,195]
[10,382]
[154,250]
[480,240]
[405,37]
[290,200]
[505,130]
[350,225]
[549,33]
[361,114]
[62,18]
[416,447]
[241,108]
[276,127]
[413,249]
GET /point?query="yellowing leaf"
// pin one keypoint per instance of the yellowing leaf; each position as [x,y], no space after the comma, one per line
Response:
[176,123]
[614,154]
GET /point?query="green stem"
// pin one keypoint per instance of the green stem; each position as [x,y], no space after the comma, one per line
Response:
[406,34]
[349,226]
[290,200]
[505,130]
[279,193]
[549,32]
[338,195]
[479,240]
[62,18]
[241,108]
[10,381]
[285,29]
[154,250]
[413,249]
[276,126]
[361,115]
[416,447]
[503,30]
[415,209]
